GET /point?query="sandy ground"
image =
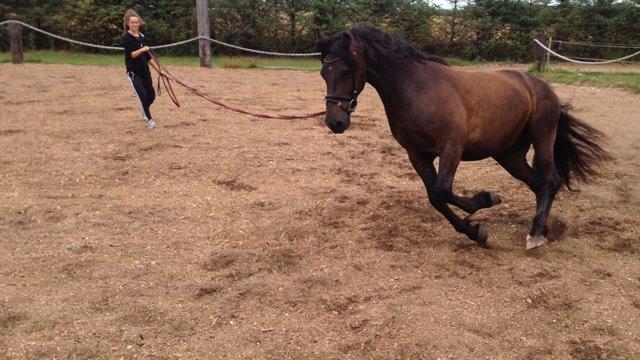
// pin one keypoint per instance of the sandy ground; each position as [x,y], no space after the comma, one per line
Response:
[221,236]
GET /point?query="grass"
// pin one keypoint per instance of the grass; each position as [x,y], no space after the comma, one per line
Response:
[628,80]
[235,62]
[605,79]
[463,62]
[73,58]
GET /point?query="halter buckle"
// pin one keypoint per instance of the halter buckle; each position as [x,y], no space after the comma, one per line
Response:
[353,104]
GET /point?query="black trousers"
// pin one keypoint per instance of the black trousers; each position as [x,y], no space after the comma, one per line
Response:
[143,88]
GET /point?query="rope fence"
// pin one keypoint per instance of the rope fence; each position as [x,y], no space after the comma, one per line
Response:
[117,48]
[579,43]
[576,61]
[270,53]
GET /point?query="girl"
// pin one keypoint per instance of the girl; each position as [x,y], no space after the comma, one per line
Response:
[137,60]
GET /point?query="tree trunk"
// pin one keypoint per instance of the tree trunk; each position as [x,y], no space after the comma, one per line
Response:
[294,20]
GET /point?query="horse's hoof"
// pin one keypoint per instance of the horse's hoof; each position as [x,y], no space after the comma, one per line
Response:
[535,241]
[482,235]
[487,199]
[495,199]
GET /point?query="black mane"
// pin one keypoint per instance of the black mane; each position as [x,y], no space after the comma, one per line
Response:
[381,50]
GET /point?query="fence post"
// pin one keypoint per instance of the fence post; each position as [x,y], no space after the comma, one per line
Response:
[548,53]
[204,46]
[540,54]
[15,41]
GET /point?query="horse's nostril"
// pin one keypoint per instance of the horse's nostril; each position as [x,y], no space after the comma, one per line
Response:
[336,126]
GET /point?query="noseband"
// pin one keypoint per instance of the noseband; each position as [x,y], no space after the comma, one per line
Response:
[347,104]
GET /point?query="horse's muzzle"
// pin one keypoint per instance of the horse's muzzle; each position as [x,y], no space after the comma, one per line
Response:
[338,126]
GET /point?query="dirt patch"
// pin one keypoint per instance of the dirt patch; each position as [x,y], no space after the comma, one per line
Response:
[235,185]
[219,235]
[10,132]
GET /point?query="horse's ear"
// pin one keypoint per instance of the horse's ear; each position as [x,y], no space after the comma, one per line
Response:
[320,39]
[350,43]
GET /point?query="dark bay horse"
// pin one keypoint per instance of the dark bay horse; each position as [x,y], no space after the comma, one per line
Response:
[435,110]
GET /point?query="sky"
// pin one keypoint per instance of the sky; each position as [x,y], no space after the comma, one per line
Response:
[444,4]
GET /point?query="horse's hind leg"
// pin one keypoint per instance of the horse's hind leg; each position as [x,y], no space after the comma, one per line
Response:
[542,179]
[542,129]
[439,188]
[550,182]
[514,161]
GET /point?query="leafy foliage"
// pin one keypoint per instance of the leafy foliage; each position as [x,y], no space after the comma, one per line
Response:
[477,29]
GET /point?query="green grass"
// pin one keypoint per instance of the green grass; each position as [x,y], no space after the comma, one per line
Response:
[243,62]
[628,80]
[463,62]
[72,58]
[605,79]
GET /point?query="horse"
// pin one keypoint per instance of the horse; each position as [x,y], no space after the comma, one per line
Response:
[435,110]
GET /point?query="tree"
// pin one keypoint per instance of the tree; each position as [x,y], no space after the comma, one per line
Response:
[453,20]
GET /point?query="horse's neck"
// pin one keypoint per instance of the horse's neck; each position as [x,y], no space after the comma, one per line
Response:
[382,86]
[392,85]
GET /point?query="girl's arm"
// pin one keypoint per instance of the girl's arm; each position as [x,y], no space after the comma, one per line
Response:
[135,54]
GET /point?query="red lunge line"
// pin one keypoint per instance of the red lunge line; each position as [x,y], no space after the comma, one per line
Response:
[167,77]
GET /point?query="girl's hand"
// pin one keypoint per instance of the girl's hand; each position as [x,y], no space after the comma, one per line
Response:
[145,49]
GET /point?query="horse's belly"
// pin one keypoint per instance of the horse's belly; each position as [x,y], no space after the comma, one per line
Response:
[490,144]
[494,135]
[475,155]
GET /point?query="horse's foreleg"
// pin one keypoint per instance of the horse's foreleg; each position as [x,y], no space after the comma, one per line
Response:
[439,190]
[481,200]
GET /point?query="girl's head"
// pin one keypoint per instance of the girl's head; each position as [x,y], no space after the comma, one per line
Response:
[132,20]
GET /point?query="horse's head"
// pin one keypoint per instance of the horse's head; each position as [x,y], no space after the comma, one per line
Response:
[344,72]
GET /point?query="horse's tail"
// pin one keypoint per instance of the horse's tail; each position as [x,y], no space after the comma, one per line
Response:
[577,149]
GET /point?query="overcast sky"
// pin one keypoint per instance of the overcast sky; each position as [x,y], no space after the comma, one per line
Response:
[442,3]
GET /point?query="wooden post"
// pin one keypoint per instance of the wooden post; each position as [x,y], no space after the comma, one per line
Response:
[204,46]
[540,54]
[15,41]
[548,53]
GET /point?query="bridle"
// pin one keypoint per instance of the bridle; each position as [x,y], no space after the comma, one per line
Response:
[351,102]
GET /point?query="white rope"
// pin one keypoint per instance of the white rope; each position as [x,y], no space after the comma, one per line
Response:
[158,46]
[259,51]
[60,37]
[174,44]
[588,58]
[619,46]
[584,62]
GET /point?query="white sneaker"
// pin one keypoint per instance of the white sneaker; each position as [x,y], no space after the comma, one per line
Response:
[150,123]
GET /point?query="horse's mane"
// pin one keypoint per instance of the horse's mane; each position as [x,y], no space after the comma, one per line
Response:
[382,51]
